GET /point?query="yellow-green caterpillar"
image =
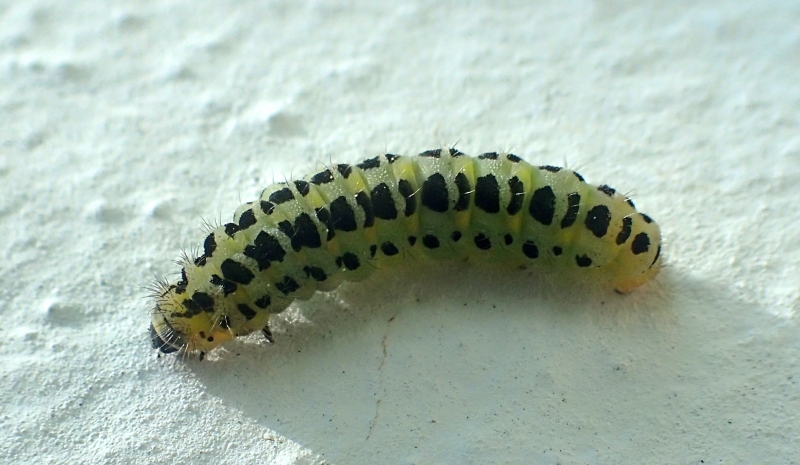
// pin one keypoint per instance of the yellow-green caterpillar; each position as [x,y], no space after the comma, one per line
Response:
[343,223]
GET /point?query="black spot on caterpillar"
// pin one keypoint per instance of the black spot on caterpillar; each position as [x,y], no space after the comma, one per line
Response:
[345,222]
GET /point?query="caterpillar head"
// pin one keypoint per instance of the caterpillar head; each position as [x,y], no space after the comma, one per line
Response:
[180,324]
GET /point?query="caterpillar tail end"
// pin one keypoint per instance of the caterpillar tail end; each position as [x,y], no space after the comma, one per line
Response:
[629,285]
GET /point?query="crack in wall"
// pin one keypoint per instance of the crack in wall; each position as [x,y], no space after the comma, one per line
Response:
[380,381]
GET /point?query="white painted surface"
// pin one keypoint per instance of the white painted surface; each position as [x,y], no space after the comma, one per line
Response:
[122,124]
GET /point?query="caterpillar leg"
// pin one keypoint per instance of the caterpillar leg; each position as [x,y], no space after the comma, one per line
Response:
[267,334]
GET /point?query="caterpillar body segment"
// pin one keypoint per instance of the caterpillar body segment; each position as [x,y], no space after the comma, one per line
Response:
[347,221]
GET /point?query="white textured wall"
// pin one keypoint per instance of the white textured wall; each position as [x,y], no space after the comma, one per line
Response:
[123,123]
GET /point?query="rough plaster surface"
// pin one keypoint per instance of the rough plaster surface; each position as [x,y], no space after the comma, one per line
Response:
[124,123]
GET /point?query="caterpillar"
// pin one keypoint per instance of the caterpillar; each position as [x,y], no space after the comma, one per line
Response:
[344,222]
